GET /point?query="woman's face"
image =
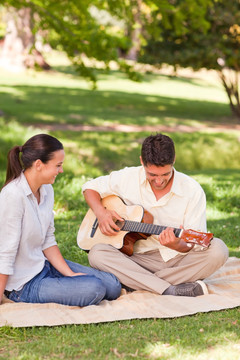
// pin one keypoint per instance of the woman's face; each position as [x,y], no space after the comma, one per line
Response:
[53,167]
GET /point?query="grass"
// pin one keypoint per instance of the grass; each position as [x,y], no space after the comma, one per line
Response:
[33,99]
[63,98]
[194,337]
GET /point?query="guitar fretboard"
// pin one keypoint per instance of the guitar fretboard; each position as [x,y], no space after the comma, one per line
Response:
[145,228]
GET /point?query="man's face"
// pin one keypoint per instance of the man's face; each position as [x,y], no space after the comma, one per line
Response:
[158,176]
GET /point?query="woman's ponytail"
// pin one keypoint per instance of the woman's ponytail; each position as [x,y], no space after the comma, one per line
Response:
[14,165]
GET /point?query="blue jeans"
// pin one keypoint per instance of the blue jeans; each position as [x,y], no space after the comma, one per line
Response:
[82,290]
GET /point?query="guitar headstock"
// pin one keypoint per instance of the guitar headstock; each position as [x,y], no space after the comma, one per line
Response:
[197,237]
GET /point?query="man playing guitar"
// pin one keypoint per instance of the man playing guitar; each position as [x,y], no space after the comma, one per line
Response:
[165,264]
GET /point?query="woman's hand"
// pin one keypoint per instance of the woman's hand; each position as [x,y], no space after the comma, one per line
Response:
[55,258]
[76,274]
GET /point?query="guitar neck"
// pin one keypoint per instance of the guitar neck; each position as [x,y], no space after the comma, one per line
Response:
[145,228]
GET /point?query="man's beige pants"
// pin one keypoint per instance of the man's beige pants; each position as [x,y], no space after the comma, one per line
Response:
[149,272]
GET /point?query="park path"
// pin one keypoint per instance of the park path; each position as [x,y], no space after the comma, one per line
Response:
[136,128]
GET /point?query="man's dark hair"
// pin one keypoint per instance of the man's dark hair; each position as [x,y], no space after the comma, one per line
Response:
[158,150]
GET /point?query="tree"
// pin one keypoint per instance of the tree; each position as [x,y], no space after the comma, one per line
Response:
[71,25]
[68,24]
[178,27]
[211,44]
[18,48]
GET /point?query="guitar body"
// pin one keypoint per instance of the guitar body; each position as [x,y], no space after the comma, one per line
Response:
[123,240]
[129,241]
[135,218]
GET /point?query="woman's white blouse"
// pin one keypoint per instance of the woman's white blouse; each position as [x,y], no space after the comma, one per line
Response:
[26,229]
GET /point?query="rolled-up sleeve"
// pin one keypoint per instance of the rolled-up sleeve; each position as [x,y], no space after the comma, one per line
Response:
[11,213]
[50,237]
[26,229]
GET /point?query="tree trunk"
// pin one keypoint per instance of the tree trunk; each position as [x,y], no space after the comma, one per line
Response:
[18,51]
[136,31]
[232,90]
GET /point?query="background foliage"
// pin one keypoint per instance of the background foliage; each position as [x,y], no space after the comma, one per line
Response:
[195,33]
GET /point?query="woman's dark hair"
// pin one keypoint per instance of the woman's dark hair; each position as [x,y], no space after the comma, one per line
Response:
[41,146]
[158,150]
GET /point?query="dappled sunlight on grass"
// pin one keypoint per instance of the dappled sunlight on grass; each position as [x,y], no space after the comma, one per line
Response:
[228,351]
[12,90]
[50,97]
[153,99]
[94,154]
[44,117]
[98,106]
[196,337]
[198,151]
[223,206]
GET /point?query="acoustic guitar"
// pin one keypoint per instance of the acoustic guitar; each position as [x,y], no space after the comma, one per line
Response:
[137,224]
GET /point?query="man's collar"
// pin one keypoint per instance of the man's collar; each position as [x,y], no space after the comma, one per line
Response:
[143,178]
[176,185]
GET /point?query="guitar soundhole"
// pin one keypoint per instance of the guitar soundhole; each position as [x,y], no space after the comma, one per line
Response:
[120,224]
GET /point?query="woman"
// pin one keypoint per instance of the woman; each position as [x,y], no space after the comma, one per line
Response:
[32,268]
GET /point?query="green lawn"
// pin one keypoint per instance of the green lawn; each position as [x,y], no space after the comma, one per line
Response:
[34,99]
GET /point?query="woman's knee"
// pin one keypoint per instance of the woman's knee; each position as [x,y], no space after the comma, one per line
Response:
[92,292]
[81,290]
[96,292]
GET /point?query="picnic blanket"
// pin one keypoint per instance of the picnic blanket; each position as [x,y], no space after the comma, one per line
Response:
[224,293]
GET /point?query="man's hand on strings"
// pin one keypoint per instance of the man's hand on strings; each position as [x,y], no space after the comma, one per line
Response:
[107,222]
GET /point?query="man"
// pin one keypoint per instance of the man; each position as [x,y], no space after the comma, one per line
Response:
[163,264]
